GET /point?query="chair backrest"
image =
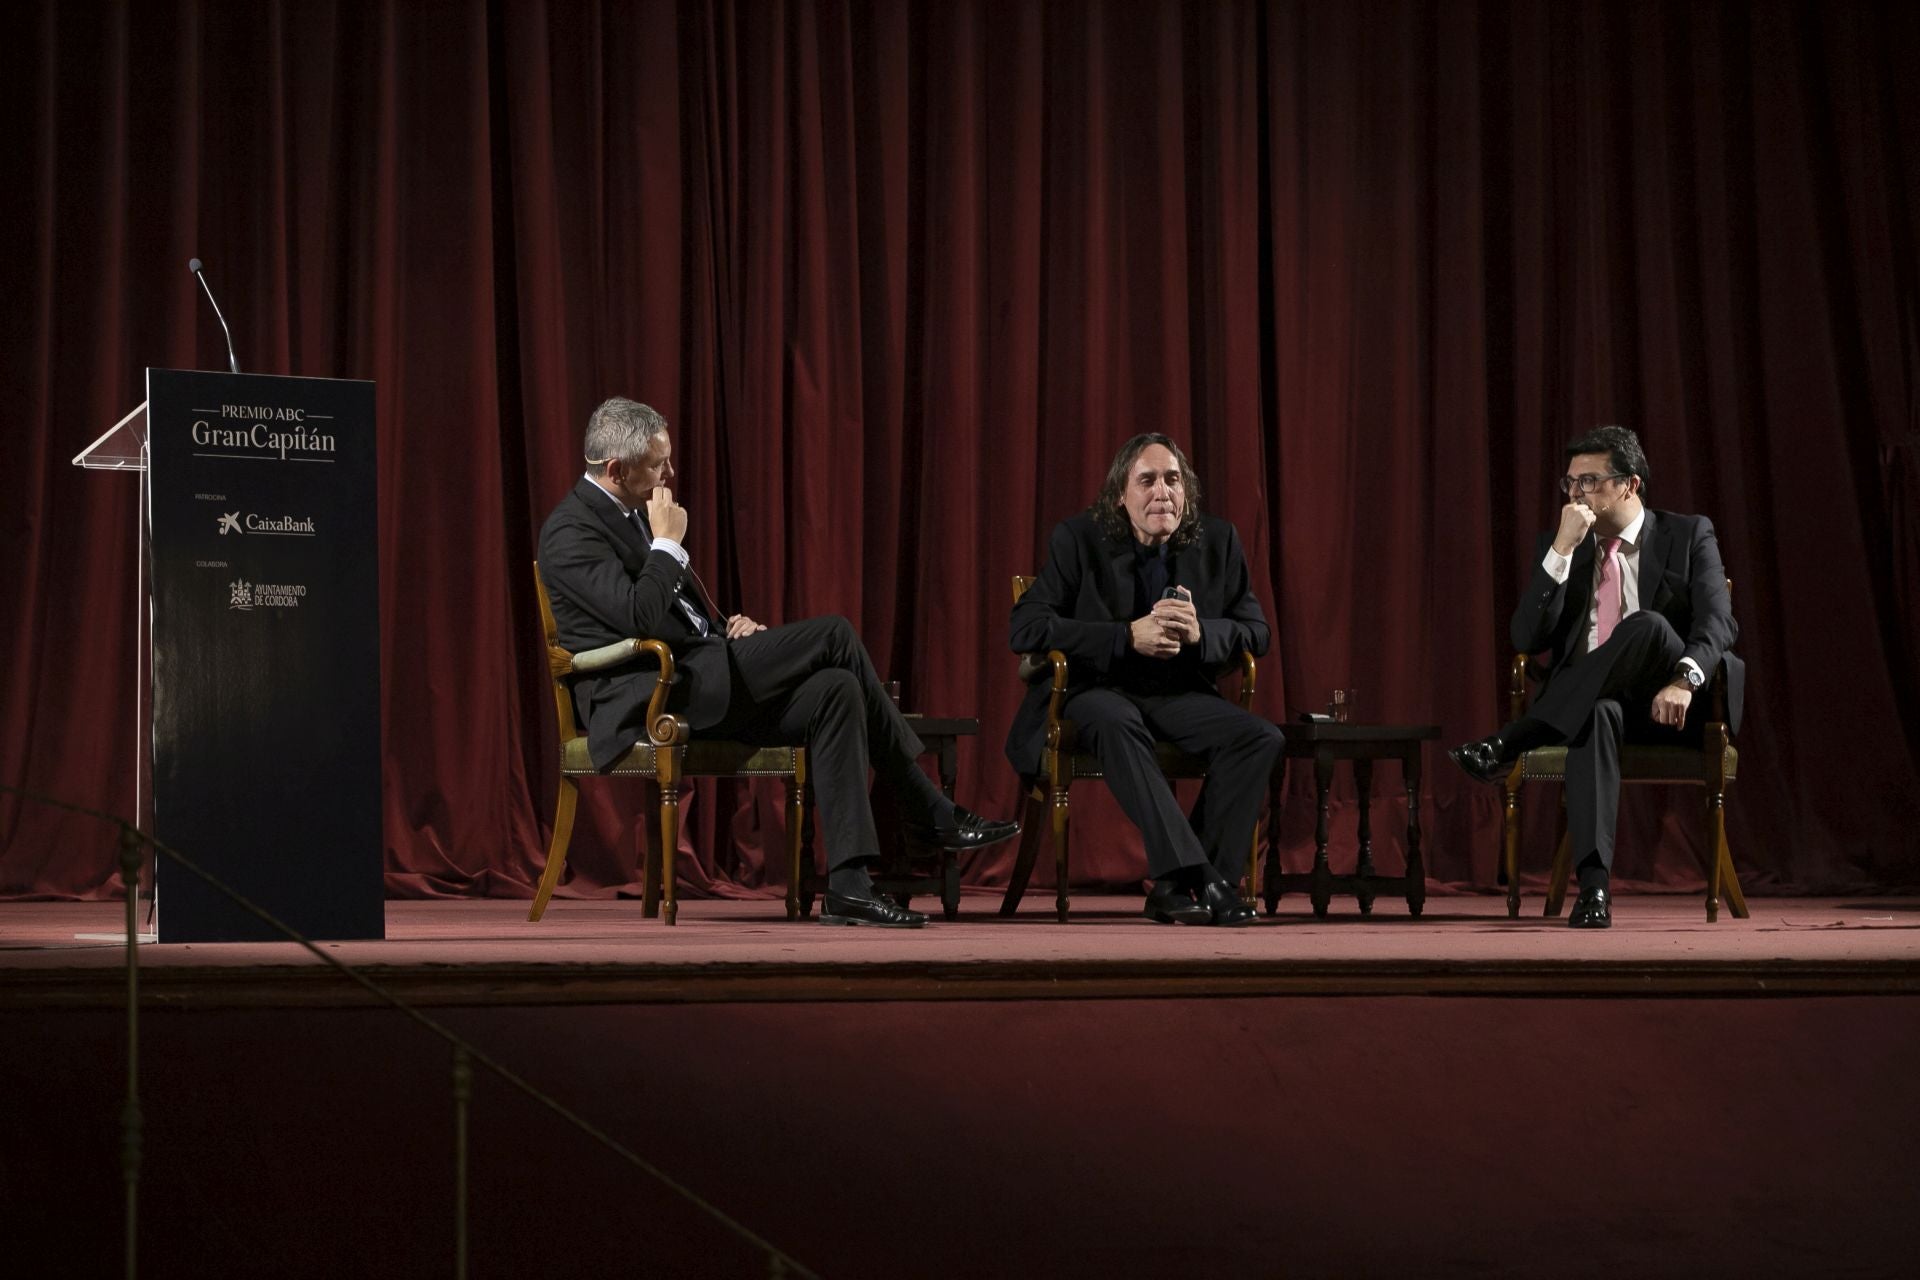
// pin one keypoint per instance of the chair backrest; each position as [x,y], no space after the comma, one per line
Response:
[559,662]
[1020,585]
[1719,687]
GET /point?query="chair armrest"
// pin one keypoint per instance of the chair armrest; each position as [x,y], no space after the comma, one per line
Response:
[609,655]
[1059,730]
[1249,671]
[1517,688]
[661,727]
[1057,666]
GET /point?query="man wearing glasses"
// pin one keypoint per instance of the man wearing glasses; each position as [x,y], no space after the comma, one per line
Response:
[1631,605]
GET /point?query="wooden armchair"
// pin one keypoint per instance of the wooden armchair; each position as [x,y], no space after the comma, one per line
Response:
[669,755]
[1712,765]
[1065,764]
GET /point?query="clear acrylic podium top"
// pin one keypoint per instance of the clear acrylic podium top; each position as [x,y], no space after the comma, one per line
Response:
[122,448]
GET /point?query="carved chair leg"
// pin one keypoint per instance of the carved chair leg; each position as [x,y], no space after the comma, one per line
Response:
[1060,852]
[669,837]
[650,852]
[1510,842]
[808,861]
[1715,831]
[1250,882]
[1562,862]
[796,870]
[1730,878]
[1722,879]
[1031,834]
[556,847]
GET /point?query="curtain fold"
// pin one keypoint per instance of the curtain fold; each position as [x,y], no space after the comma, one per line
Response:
[903,276]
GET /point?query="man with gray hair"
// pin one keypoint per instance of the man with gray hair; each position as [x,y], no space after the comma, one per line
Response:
[615,567]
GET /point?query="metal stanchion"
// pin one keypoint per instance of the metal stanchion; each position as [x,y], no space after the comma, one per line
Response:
[465,1055]
[130,1121]
[462,1096]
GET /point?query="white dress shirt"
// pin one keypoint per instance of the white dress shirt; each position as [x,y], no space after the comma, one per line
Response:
[1632,538]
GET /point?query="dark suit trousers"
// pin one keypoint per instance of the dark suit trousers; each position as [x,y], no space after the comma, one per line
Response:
[1597,702]
[811,683]
[1240,749]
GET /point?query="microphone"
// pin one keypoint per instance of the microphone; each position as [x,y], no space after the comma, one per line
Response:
[193,265]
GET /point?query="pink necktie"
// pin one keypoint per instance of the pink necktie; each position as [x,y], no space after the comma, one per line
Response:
[1608,598]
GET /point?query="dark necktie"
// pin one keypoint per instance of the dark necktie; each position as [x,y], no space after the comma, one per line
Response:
[1153,580]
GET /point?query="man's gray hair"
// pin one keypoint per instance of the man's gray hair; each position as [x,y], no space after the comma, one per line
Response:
[621,430]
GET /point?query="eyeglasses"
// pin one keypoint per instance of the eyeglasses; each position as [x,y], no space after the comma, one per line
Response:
[1589,482]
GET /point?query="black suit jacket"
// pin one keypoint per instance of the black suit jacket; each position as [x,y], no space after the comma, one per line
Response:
[1681,578]
[1082,604]
[606,585]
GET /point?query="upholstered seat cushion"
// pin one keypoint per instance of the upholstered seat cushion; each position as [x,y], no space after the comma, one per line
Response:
[724,759]
[1173,762]
[1638,763]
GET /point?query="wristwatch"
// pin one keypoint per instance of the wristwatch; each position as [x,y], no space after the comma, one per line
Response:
[1694,678]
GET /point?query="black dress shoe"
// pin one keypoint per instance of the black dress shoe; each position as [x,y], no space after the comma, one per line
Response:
[1223,904]
[876,912]
[1593,909]
[1175,906]
[969,831]
[1482,760]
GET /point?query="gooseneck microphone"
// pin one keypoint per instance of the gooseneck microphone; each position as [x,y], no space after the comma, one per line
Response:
[193,265]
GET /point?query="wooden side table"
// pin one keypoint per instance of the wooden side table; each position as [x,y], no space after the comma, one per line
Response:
[1325,742]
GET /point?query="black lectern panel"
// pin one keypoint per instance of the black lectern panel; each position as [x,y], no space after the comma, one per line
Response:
[266,652]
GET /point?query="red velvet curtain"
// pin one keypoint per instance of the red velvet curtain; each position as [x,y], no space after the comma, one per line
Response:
[904,275]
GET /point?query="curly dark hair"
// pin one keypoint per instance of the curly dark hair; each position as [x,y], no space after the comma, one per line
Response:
[1106,509]
[1622,448]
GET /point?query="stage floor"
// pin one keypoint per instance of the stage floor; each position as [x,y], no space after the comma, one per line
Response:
[484,952]
[1459,1095]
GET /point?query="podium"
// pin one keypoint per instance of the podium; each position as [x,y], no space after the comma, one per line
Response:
[260,589]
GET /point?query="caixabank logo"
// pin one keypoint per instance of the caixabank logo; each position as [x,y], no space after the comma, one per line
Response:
[245,597]
[274,526]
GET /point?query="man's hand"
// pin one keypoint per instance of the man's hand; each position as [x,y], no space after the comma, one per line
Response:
[1576,518]
[741,625]
[1179,616]
[667,518]
[1671,703]
[1153,637]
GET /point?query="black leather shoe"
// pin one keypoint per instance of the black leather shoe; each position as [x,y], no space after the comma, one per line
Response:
[1482,760]
[1592,910]
[1175,906]
[876,912]
[969,831]
[1223,904]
